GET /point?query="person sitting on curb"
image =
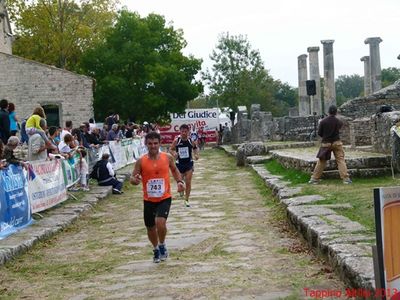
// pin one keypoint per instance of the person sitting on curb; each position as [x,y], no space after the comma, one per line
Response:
[105,174]
[328,129]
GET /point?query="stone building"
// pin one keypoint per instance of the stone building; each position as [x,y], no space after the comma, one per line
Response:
[64,95]
[5,30]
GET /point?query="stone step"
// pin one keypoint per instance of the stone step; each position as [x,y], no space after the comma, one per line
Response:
[374,172]
[287,145]
[258,159]
[305,159]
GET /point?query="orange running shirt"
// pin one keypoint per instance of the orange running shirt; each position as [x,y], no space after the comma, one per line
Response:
[155,178]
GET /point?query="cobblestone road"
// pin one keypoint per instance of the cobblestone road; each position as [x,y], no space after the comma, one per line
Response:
[228,245]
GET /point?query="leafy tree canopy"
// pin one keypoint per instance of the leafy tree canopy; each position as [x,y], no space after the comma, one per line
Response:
[140,70]
[348,87]
[389,76]
[57,32]
[238,77]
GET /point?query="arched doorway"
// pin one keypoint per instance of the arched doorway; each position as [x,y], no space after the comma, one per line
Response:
[52,114]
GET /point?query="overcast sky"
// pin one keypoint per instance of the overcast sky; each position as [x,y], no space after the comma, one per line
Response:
[283,29]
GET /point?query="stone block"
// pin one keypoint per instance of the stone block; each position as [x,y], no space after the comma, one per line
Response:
[301,200]
[288,192]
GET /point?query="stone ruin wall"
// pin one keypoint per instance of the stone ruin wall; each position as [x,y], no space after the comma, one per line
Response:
[29,84]
[360,132]
[381,136]
[263,127]
[362,124]
[365,114]
[368,106]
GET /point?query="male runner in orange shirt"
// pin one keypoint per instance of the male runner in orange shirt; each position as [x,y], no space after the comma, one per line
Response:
[152,169]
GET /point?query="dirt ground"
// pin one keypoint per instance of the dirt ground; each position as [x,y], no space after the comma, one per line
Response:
[228,245]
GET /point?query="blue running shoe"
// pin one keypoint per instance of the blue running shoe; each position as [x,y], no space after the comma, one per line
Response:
[156,257]
[163,252]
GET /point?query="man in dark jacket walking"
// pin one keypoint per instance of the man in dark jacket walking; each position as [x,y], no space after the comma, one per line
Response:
[328,129]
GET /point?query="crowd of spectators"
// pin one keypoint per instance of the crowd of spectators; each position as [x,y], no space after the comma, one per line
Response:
[65,143]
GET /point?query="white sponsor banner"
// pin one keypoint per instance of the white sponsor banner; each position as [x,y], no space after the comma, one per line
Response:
[46,185]
[204,119]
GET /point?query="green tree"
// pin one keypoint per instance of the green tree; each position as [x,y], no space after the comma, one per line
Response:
[140,70]
[202,101]
[285,97]
[389,76]
[348,87]
[238,77]
[57,32]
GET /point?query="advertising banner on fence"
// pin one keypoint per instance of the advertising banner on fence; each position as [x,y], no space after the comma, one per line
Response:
[46,185]
[205,120]
[14,205]
[387,220]
[71,170]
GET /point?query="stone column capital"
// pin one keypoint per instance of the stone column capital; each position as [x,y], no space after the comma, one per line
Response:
[364,58]
[373,40]
[302,56]
[313,49]
[327,42]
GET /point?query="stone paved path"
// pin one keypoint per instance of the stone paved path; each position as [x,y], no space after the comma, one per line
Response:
[228,245]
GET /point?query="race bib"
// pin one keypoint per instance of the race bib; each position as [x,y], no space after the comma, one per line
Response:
[183,152]
[155,187]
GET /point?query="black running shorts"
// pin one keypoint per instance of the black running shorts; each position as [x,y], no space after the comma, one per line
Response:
[184,167]
[155,209]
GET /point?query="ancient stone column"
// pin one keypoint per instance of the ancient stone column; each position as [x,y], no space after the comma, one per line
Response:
[316,105]
[367,75]
[329,75]
[375,62]
[304,103]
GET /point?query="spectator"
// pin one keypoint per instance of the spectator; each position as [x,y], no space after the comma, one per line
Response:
[67,129]
[104,133]
[57,138]
[13,119]
[105,175]
[68,148]
[24,135]
[194,136]
[64,146]
[37,145]
[4,121]
[110,121]
[53,132]
[84,131]
[9,156]
[33,125]
[113,134]
[328,130]
[92,124]
[202,138]
[93,138]
[84,170]
[129,131]
[77,135]
[122,132]
[116,118]
[3,163]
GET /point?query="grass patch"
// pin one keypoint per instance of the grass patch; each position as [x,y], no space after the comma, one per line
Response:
[359,194]
[292,175]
